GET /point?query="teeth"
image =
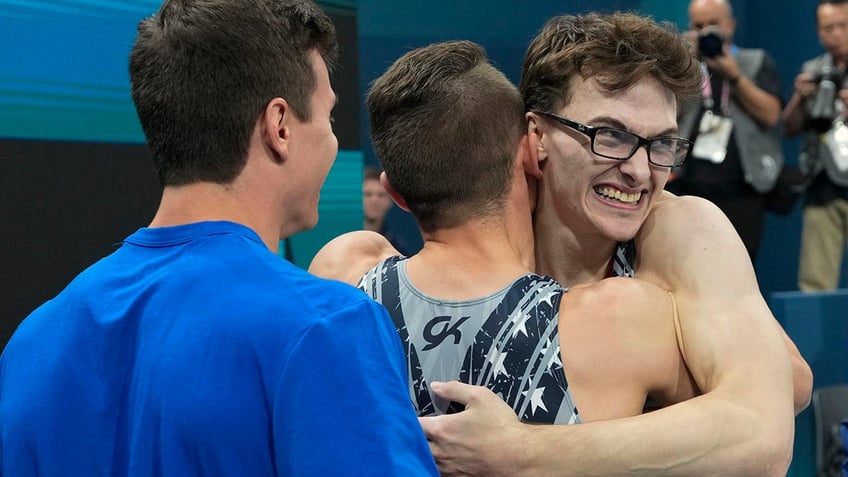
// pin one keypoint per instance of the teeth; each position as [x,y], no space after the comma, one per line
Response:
[618,195]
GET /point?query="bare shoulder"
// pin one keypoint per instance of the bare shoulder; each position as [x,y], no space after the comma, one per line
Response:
[619,299]
[347,257]
[615,287]
[686,239]
[684,214]
[619,346]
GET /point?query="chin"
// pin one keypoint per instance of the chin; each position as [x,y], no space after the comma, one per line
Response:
[299,224]
[620,230]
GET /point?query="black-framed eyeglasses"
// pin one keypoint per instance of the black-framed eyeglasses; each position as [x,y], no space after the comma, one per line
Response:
[612,143]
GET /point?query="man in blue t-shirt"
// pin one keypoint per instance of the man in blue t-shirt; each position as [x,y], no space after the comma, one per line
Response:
[193,349]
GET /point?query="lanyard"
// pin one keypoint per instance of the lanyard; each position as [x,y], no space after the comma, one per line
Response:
[707,87]
[707,91]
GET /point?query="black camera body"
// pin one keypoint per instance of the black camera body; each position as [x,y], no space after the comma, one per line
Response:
[829,73]
[710,43]
[822,107]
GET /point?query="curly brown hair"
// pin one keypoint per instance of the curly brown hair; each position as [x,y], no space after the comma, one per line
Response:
[617,50]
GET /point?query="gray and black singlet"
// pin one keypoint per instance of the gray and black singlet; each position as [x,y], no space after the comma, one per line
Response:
[622,262]
[506,341]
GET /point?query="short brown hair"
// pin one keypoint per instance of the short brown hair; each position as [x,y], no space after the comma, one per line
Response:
[202,72]
[370,173]
[446,125]
[617,50]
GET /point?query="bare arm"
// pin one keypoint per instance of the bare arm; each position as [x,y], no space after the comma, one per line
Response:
[794,116]
[681,440]
[743,424]
[761,105]
[347,257]
[802,375]
[716,279]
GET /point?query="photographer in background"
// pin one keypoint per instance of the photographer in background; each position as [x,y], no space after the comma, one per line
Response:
[737,152]
[817,109]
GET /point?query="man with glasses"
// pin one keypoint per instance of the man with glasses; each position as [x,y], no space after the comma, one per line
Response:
[468,307]
[600,201]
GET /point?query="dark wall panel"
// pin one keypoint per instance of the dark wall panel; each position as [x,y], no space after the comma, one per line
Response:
[64,205]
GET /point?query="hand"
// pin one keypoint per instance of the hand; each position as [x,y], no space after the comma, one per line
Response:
[804,85]
[843,95]
[724,64]
[485,439]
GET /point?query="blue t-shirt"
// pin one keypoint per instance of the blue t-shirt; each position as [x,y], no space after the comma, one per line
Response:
[194,350]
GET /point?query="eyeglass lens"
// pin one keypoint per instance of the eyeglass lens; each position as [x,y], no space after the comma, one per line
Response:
[621,145]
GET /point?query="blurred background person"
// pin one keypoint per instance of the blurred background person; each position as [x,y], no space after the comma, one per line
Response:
[375,200]
[376,204]
[818,110]
[737,152]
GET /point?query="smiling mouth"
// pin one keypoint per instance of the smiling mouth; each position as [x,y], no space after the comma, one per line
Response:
[614,194]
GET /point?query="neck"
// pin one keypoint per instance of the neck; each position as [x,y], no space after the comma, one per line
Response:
[373,225]
[568,257]
[473,260]
[206,201]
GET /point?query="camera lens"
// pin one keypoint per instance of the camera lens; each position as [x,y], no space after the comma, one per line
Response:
[709,44]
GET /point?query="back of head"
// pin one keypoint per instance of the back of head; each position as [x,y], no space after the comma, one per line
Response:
[617,50]
[202,72]
[446,126]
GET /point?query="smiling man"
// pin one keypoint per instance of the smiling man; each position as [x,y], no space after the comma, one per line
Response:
[592,85]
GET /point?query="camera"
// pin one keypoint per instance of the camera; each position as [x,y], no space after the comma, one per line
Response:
[822,107]
[710,42]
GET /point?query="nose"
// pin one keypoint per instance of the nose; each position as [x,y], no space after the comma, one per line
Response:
[637,169]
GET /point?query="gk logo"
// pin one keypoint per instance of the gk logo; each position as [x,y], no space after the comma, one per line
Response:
[435,339]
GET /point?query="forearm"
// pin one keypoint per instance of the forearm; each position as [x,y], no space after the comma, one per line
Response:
[793,116]
[761,105]
[705,436]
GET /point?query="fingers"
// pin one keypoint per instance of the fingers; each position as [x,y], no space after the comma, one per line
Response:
[804,84]
[456,391]
[441,446]
[430,425]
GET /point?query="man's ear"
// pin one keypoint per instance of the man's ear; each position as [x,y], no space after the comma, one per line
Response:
[535,146]
[384,180]
[275,126]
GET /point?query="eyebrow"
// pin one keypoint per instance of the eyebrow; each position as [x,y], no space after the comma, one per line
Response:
[606,121]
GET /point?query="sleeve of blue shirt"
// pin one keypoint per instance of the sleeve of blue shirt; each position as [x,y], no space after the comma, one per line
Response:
[342,405]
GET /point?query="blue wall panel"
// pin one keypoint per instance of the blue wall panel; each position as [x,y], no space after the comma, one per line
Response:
[818,324]
[64,70]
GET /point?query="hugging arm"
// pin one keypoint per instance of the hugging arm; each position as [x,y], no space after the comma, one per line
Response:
[742,424]
[707,269]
